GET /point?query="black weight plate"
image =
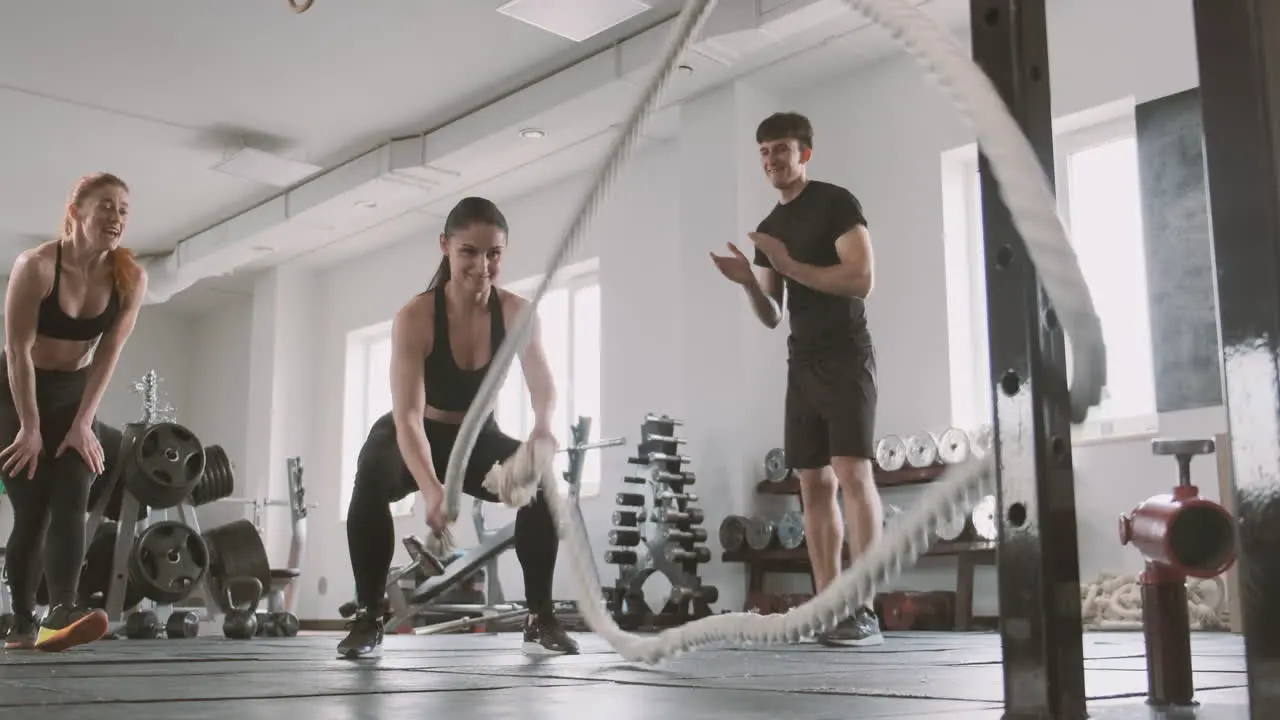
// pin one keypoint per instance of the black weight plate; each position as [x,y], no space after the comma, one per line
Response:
[733,533]
[168,461]
[235,551]
[168,561]
[95,573]
[218,481]
[760,533]
[111,439]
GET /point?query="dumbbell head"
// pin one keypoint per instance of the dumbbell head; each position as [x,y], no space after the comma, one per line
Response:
[624,538]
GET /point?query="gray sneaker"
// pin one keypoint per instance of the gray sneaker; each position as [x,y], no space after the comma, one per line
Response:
[862,629]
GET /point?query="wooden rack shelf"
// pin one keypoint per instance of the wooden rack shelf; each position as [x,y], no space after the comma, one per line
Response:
[884,478]
[968,554]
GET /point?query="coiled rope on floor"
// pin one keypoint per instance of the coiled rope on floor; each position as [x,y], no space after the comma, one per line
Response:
[1026,192]
[1114,602]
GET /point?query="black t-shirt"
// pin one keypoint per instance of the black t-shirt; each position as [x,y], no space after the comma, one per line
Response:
[809,225]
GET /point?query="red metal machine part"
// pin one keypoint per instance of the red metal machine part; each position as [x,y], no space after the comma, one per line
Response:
[1180,535]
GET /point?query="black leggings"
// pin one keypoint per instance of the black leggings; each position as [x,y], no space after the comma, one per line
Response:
[49,510]
[382,478]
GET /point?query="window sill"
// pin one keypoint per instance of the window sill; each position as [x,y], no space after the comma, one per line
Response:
[1115,430]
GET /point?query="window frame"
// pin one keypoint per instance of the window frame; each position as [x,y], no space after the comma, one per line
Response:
[966,275]
[357,420]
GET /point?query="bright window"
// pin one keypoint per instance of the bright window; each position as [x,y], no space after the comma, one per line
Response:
[570,320]
[1099,199]
[368,397]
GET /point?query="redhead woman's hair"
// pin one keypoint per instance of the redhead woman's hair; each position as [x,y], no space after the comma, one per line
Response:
[124,267]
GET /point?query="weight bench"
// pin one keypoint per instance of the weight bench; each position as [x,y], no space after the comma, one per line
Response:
[279,596]
[405,603]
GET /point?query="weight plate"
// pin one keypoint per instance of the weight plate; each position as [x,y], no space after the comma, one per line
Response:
[168,461]
[235,551]
[168,561]
[891,453]
[984,518]
[922,450]
[775,466]
[953,446]
[791,530]
[95,573]
[760,533]
[733,533]
[218,481]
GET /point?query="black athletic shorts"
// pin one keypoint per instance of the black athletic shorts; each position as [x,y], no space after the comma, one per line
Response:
[380,461]
[830,409]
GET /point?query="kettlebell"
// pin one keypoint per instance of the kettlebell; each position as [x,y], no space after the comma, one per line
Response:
[241,622]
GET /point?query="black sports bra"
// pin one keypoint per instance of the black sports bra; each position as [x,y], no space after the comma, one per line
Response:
[449,387]
[54,322]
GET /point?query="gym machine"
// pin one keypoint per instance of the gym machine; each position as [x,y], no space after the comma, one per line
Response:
[135,554]
[420,586]
[1180,535]
[662,540]
[1237,51]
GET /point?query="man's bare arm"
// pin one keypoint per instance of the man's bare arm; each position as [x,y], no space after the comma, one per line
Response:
[765,295]
[853,276]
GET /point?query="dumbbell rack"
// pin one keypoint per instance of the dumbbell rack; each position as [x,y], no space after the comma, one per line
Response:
[661,540]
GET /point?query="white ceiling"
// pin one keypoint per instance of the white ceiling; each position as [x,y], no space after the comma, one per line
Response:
[158,91]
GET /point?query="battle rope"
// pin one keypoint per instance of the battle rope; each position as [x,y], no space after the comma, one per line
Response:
[1026,192]
[1114,602]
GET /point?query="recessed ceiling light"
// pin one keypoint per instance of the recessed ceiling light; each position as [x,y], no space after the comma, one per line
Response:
[532,133]
[685,69]
[367,204]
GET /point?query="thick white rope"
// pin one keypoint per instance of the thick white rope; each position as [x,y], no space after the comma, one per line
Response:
[1114,602]
[1026,192]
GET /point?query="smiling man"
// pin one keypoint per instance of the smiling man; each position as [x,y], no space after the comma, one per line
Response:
[814,250]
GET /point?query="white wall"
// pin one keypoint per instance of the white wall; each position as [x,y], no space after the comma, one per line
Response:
[219,392]
[881,134]
[671,326]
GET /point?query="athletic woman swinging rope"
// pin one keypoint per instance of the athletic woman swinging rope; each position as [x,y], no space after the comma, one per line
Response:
[69,309]
[443,340]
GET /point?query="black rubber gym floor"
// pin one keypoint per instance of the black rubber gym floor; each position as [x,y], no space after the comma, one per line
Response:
[947,676]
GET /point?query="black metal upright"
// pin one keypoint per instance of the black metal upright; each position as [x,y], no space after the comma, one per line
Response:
[1238,43]
[1039,565]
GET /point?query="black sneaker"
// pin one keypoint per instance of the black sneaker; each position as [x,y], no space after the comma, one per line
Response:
[365,638]
[862,629]
[22,634]
[543,635]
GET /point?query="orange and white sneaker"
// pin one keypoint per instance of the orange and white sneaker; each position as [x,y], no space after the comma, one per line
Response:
[22,634]
[66,627]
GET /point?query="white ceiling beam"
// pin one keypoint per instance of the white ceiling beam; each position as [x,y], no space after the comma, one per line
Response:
[574,106]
